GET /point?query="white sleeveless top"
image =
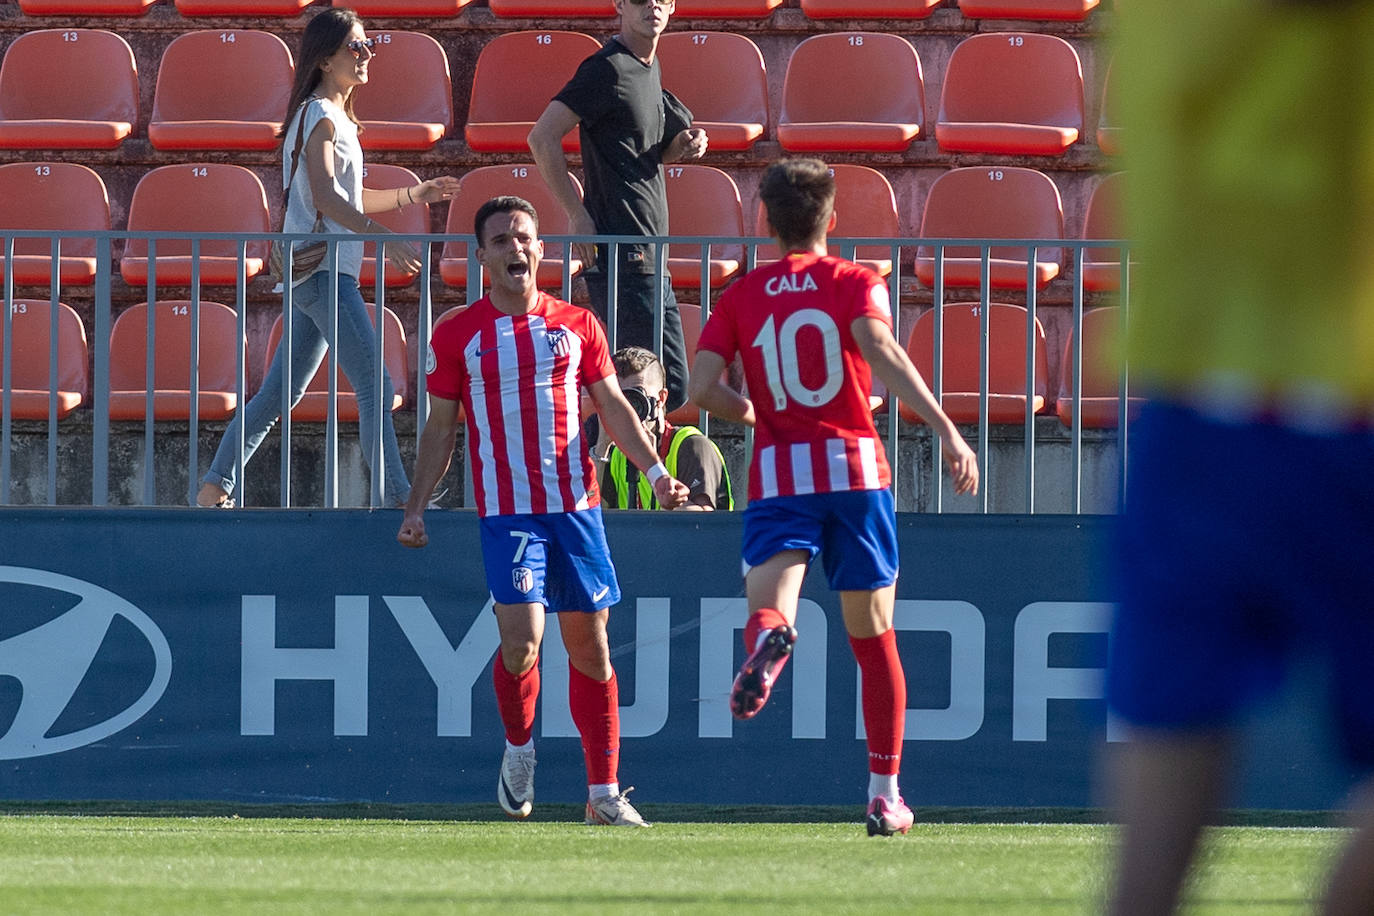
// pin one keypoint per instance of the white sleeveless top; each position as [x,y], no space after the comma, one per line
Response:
[348,179]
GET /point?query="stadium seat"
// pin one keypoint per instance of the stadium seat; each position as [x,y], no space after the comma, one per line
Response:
[962,332]
[703,201]
[869,9]
[204,197]
[407,102]
[555,8]
[1108,130]
[67,89]
[385,9]
[1101,373]
[852,91]
[241,8]
[85,7]
[314,406]
[865,207]
[410,219]
[517,74]
[1102,266]
[1060,10]
[221,89]
[1013,93]
[30,394]
[992,203]
[482,184]
[720,76]
[173,360]
[690,314]
[725,9]
[60,196]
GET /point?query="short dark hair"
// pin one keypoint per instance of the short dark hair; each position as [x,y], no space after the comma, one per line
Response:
[635,360]
[506,203]
[799,195]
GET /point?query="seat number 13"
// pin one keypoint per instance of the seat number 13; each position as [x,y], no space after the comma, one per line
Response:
[781,364]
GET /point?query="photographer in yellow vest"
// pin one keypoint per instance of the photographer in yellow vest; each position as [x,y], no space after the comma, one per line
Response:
[687,453]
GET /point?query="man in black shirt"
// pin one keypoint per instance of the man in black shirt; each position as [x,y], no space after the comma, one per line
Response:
[628,127]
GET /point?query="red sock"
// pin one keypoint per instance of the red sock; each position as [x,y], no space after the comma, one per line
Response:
[516,695]
[596,713]
[765,618]
[884,699]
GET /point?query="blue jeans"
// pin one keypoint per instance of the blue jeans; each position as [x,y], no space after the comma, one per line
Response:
[357,358]
[638,298]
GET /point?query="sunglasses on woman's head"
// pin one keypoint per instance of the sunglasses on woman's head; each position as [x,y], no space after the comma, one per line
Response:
[357,45]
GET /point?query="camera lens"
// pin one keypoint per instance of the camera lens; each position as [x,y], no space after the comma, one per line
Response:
[639,403]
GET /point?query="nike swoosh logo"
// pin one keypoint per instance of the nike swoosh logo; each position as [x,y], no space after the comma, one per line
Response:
[510,797]
[480,353]
[605,590]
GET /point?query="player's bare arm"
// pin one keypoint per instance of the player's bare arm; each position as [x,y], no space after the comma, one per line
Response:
[432,458]
[706,390]
[546,144]
[629,435]
[891,364]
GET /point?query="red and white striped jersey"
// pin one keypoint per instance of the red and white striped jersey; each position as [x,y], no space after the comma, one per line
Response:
[789,321]
[519,379]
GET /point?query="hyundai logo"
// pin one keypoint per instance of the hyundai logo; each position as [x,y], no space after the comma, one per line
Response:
[50,661]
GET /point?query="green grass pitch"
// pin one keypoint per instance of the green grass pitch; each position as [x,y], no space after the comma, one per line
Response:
[150,864]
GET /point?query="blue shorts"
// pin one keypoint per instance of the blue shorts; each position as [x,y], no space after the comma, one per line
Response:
[1244,546]
[559,560]
[854,531]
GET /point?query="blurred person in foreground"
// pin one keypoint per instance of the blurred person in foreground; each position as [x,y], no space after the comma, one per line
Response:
[810,329]
[1247,539]
[687,452]
[516,361]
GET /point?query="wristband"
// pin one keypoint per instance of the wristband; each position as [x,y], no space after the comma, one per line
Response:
[655,472]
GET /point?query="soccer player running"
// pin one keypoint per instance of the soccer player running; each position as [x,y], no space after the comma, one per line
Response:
[516,361]
[808,329]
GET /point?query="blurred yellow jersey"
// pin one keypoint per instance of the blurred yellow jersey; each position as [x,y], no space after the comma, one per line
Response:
[1249,150]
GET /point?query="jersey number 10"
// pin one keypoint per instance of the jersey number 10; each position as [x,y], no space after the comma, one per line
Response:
[782,364]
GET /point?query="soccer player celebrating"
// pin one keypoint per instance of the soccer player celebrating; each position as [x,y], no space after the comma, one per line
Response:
[517,361]
[808,329]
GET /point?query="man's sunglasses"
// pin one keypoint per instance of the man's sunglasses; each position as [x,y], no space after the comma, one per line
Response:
[357,45]
[654,2]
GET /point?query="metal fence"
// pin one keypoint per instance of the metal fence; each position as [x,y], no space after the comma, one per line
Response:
[98,298]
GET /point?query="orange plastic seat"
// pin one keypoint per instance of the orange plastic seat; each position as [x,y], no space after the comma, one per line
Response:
[1102,266]
[523,180]
[720,76]
[314,405]
[557,8]
[407,102]
[992,203]
[241,7]
[30,393]
[173,360]
[1015,93]
[865,207]
[852,91]
[1101,374]
[690,314]
[725,9]
[204,197]
[1108,127]
[60,196]
[410,219]
[1061,10]
[391,8]
[67,89]
[866,9]
[703,201]
[221,89]
[85,7]
[1006,362]
[517,74]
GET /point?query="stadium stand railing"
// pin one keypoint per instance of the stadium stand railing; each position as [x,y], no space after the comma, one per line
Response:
[999,444]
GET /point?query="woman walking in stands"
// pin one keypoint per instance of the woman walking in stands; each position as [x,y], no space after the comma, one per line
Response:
[326,177]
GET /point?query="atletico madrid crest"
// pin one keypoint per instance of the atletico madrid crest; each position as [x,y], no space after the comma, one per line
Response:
[522,577]
[559,344]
